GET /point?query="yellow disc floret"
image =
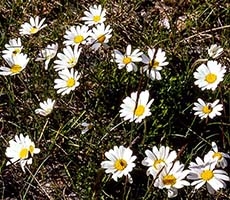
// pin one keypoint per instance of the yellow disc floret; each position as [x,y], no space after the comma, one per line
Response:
[169,180]
[23,153]
[31,149]
[120,164]
[15,69]
[72,62]
[78,39]
[207,109]
[33,30]
[218,155]
[206,175]
[154,64]
[157,162]
[139,110]
[211,78]
[70,82]
[101,38]
[16,51]
[96,18]
[127,60]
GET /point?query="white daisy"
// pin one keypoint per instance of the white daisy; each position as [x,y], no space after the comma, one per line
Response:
[210,75]
[172,178]
[100,35]
[204,110]
[214,154]
[95,15]
[127,60]
[47,54]
[16,64]
[87,127]
[46,107]
[67,59]
[154,63]
[33,27]
[203,172]
[68,81]
[136,111]
[14,47]
[77,35]
[120,162]
[21,150]
[215,51]
[156,159]
[164,22]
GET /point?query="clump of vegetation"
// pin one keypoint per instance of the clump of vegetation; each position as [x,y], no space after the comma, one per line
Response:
[114,100]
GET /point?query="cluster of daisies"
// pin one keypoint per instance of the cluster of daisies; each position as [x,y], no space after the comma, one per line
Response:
[208,76]
[93,33]
[166,170]
[137,106]
[163,164]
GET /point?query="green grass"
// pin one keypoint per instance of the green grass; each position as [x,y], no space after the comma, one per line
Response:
[68,166]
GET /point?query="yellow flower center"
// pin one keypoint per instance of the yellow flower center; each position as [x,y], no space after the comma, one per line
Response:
[218,155]
[211,78]
[31,149]
[169,180]
[96,18]
[157,162]
[70,82]
[139,110]
[78,39]
[207,109]
[154,64]
[101,38]
[127,60]
[33,30]
[48,110]
[206,175]
[72,62]
[48,57]
[23,153]
[15,69]
[90,126]
[120,164]
[16,51]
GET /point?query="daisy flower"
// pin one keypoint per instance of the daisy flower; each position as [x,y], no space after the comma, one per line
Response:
[164,22]
[156,159]
[21,150]
[100,35]
[172,178]
[203,172]
[220,157]
[14,47]
[16,64]
[136,111]
[154,63]
[67,59]
[87,127]
[47,54]
[33,27]
[77,35]
[204,110]
[68,81]
[46,107]
[210,75]
[127,60]
[215,51]
[120,162]
[95,15]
